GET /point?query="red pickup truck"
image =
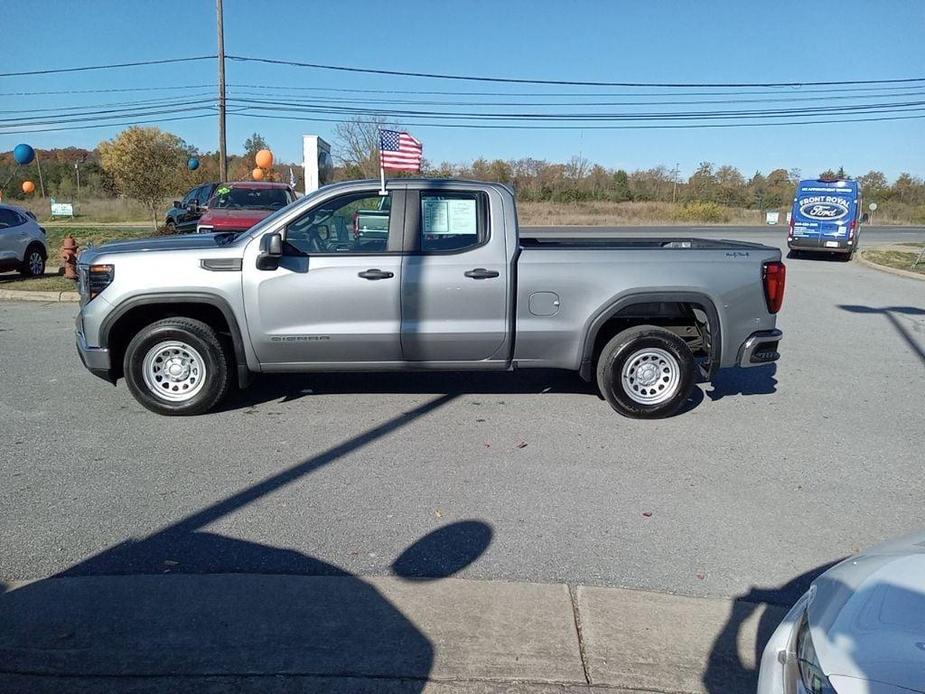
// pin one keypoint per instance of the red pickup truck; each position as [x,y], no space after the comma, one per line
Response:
[238,206]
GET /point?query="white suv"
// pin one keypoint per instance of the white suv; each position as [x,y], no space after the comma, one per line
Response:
[22,242]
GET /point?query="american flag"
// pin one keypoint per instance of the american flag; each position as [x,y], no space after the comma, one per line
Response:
[399,151]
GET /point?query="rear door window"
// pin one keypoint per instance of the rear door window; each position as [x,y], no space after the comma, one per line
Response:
[452,222]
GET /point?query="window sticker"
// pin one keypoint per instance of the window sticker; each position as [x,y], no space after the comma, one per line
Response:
[436,219]
[449,216]
[461,215]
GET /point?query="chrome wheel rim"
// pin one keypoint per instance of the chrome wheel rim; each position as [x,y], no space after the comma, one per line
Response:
[174,371]
[36,263]
[651,376]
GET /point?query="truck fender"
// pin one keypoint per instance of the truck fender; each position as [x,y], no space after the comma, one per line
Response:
[245,375]
[701,301]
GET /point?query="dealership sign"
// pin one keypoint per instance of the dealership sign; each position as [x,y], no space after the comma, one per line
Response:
[824,208]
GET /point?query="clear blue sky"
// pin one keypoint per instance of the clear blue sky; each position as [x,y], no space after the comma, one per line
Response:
[548,39]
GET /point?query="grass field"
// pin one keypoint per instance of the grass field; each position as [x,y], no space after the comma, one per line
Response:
[899,260]
[86,236]
[590,213]
[632,213]
[49,283]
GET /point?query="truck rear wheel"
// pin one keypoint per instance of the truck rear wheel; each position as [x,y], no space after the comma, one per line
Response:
[646,372]
[177,366]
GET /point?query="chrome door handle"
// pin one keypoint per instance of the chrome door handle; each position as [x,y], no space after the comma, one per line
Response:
[481,273]
[376,274]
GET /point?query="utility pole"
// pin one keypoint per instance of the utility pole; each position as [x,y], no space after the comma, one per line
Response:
[677,170]
[222,154]
[41,179]
[77,170]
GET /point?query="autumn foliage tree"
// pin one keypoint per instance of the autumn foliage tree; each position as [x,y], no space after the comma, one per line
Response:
[146,164]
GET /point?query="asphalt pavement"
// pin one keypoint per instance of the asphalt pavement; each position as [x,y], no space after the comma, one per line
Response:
[769,474]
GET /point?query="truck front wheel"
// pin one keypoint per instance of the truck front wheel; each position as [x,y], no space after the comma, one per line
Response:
[177,366]
[646,372]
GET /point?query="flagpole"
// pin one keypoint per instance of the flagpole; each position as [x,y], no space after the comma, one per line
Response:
[382,190]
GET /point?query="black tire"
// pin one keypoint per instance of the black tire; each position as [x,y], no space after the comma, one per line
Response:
[30,266]
[633,345]
[794,254]
[170,227]
[203,355]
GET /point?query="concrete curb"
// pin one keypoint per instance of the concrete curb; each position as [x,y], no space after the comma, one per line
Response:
[46,297]
[443,636]
[883,268]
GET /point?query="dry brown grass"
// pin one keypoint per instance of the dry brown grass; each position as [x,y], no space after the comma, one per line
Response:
[899,260]
[97,210]
[602,213]
[589,213]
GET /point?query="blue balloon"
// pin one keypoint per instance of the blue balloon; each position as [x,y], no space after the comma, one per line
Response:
[192,164]
[23,154]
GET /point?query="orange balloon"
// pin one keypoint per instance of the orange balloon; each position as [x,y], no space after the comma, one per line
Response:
[28,187]
[264,159]
[258,174]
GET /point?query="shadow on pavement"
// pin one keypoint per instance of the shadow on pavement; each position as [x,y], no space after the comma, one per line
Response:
[755,380]
[195,604]
[279,388]
[283,389]
[891,312]
[725,665]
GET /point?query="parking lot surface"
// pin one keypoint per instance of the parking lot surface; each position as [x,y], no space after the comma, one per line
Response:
[768,474]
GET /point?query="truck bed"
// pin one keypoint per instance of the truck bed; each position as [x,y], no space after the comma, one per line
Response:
[571,242]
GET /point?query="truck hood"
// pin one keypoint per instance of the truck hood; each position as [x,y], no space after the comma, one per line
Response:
[867,615]
[233,219]
[157,244]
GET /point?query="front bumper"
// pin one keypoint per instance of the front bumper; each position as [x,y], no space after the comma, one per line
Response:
[778,669]
[760,348]
[96,359]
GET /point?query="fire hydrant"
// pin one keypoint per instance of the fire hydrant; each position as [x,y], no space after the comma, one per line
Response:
[69,257]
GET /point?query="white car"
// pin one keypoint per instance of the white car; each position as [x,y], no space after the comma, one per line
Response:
[22,242]
[859,629]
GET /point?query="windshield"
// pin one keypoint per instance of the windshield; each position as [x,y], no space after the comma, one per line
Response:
[233,198]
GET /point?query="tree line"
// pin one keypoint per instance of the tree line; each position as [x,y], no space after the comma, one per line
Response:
[150,165]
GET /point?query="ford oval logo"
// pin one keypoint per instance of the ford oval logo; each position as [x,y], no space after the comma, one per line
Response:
[828,211]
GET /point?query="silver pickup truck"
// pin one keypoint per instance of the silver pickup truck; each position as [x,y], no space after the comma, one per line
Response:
[453,285]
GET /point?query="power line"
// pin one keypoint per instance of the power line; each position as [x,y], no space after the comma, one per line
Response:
[845,109]
[186,98]
[108,114]
[111,66]
[673,102]
[101,118]
[437,92]
[105,125]
[583,83]
[684,126]
[57,92]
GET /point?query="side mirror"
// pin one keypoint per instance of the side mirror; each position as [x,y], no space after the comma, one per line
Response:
[865,218]
[177,204]
[271,250]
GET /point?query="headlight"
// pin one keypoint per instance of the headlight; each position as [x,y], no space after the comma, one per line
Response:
[95,279]
[812,678]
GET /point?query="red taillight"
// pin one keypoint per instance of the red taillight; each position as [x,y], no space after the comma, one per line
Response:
[775,276]
[790,230]
[852,229]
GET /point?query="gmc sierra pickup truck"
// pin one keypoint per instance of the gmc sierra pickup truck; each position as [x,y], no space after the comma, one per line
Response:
[453,285]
